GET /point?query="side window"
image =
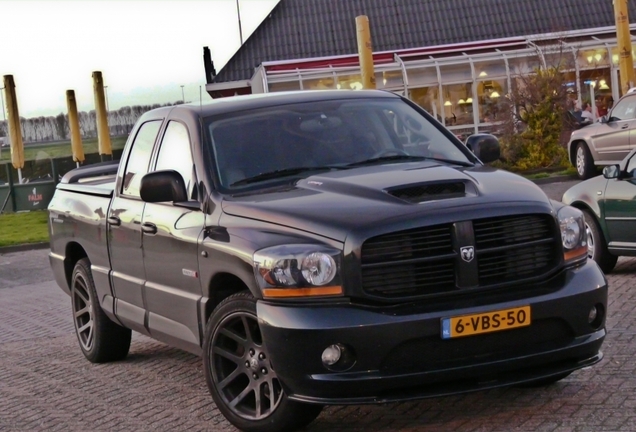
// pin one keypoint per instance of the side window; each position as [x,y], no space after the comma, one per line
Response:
[139,157]
[175,153]
[625,109]
[631,165]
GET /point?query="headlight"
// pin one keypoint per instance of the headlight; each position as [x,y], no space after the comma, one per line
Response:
[573,234]
[302,270]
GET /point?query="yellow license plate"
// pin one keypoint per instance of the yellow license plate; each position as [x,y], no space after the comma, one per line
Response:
[468,325]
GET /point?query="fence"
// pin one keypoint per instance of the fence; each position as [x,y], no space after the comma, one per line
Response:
[39,178]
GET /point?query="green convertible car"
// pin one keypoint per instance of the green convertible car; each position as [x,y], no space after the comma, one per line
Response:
[609,205]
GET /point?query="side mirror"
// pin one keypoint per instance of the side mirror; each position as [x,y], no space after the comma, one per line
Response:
[485,146]
[611,171]
[161,186]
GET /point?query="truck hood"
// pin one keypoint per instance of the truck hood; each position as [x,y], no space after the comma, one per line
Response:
[335,203]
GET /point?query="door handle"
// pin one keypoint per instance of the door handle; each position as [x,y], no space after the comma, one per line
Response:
[114,220]
[149,228]
[625,126]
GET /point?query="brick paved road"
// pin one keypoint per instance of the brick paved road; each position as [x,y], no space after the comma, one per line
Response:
[46,385]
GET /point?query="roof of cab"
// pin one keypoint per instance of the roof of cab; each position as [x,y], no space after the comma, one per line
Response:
[240,103]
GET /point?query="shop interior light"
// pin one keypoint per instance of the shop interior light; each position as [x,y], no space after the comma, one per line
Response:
[461,101]
[494,95]
[469,100]
[589,59]
[483,74]
[615,58]
[447,103]
[598,57]
[602,85]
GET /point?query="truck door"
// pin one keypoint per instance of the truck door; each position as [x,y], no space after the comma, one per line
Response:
[170,246]
[124,232]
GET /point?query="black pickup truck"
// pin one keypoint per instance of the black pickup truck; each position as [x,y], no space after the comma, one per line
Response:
[331,247]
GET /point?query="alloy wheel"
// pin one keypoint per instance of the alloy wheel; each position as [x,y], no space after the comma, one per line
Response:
[241,369]
[83,312]
[580,161]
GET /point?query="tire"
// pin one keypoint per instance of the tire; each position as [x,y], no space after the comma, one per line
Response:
[596,245]
[100,339]
[544,382]
[239,373]
[583,162]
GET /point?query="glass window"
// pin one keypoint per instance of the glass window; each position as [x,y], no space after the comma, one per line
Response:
[524,64]
[625,109]
[601,79]
[593,58]
[489,93]
[284,86]
[456,72]
[325,83]
[281,144]
[175,153]
[631,166]
[458,104]
[422,76]
[389,79]
[490,69]
[139,158]
[427,98]
[350,82]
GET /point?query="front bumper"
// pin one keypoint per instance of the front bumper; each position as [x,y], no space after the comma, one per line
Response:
[401,356]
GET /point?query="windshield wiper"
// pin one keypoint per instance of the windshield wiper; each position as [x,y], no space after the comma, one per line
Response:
[284,173]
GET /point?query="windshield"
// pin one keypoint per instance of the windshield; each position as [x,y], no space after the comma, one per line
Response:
[264,145]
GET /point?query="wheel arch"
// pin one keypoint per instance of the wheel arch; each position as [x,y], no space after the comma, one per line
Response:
[72,254]
[572,149]
[221,286]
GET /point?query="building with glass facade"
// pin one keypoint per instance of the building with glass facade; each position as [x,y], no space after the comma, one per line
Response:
[459,83]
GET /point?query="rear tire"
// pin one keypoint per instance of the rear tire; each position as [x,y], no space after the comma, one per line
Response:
[100,339]
[584,163]
[240,376]
[596,245]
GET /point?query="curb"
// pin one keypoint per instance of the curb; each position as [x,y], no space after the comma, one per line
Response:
[555,179]
[24,247]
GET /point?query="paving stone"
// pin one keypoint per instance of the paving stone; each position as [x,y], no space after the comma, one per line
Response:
[47,385]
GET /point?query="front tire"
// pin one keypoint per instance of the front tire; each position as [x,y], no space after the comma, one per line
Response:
[584,162]
[100,339]
[596,245]
[240,376]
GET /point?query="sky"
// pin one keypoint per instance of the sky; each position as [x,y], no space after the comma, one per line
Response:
[145,49]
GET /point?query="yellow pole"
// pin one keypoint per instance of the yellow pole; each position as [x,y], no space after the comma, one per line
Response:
[365,52]
[15,131]
[73,121]
[103,135]
[623,38]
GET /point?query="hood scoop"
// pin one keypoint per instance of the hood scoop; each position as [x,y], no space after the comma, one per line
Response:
[429,191]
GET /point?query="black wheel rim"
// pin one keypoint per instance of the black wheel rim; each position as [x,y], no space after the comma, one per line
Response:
[241,369]
[82,312]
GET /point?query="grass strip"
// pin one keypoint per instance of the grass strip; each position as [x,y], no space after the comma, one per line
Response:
[23,228]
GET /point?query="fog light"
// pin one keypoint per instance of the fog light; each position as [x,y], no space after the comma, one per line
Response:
[331,355]
[592,315]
